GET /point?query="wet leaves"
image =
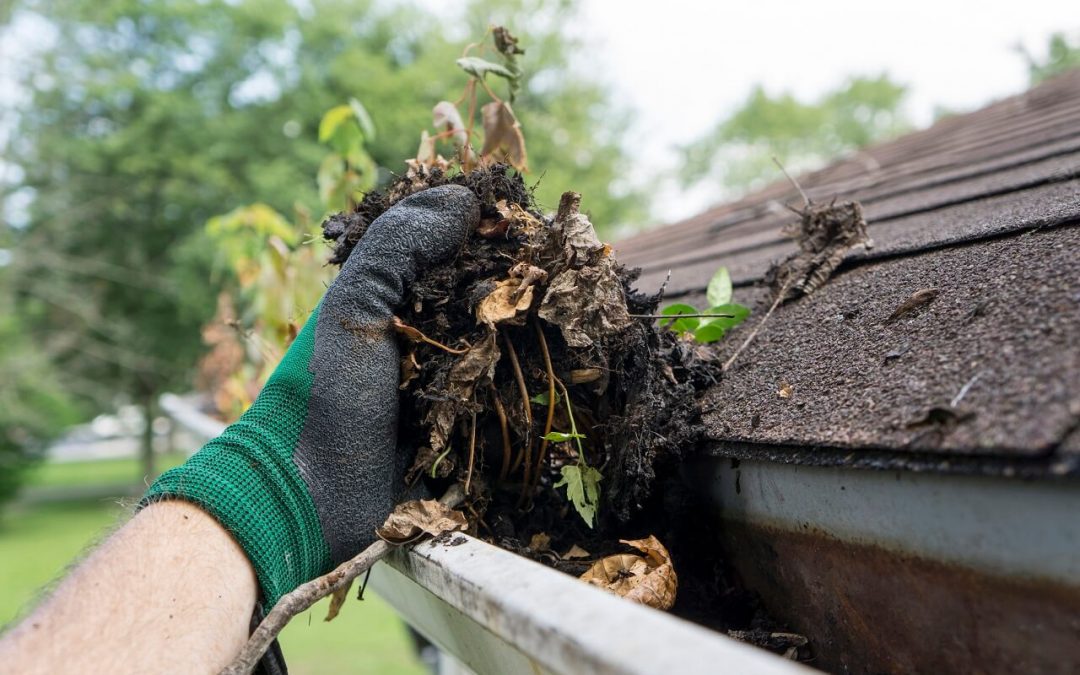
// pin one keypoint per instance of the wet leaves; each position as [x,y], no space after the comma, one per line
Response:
[414,519]
[648,579]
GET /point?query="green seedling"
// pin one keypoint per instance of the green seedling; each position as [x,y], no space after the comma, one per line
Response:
[712,324]
[582,482]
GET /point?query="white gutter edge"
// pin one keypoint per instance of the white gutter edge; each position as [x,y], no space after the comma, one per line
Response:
[500,613]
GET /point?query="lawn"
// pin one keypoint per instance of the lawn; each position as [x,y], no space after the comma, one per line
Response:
[38,539]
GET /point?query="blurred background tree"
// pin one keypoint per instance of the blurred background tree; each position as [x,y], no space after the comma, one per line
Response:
[738,152]
[145,119]
[1062,54]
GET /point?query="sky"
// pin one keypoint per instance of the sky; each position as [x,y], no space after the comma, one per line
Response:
[681,65]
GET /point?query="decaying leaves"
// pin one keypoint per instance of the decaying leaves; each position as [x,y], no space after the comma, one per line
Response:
[586,302]
[918,299]
[785,390]
[505,304]
[825,234]
[411,520]
[576,553]
[649,579]
[503,140]
[337,600]
[540,542]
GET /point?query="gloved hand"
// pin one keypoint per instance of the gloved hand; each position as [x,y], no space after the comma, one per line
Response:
[305,476]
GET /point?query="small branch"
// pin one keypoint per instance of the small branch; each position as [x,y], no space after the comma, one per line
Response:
[676,317]
[416,335]
[472,453]
[501,412]
[550,416]
[806,200]
[753,334]
[526,449]
[303,597]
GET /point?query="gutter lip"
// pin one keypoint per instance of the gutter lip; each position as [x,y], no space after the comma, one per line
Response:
[555,621]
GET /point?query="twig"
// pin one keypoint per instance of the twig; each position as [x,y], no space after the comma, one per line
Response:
[472,453]
[501,412]
[806,200]
[304,596]
[757,328]
[526,451]
[413,333]
[676,317]
[550,416]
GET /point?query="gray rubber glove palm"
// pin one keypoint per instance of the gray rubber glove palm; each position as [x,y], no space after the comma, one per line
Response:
[304,477]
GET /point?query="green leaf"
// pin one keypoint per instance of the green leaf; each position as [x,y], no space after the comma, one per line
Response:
[542,398]
[582,489]
[560,437]
[709,333]
[478,68]
[332,120]
[680,325]
[719,290]
[738,315]
[367,126]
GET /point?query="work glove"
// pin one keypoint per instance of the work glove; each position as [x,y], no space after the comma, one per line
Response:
[305,476]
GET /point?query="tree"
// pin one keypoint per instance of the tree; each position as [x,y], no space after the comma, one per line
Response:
[1062,54]
[147,118]
[739,150]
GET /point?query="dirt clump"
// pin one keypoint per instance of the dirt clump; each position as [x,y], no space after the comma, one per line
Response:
[529,354]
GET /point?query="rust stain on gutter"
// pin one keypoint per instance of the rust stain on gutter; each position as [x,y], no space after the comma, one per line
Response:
[869,610]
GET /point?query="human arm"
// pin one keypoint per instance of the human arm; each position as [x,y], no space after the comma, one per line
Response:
[302,479]
[168,591]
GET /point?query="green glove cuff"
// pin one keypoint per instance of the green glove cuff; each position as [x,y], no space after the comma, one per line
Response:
[246,478]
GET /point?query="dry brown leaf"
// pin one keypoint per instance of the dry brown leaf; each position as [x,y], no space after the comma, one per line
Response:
[502,135]
[540,542]
[648,580]
[445,115]
[410,369]
[575,553]
[785,390]
[518,217]
[337,600]
[501,305]
[411,520]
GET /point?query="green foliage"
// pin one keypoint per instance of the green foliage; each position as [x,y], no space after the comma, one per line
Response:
[739,151]
[349,170]
[582,483]
[1062,55]
[712,324]
[542,398]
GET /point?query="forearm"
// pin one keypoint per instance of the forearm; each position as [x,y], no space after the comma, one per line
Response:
[169,591]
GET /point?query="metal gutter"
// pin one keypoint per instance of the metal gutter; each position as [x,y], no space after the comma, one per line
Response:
[895,571]
[493,612]
[497,612]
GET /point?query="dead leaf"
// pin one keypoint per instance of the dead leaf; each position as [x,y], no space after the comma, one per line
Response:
[518,217]
[472,368]
[337,600]
[410,369]
[648,580]
[785,390]
[540,542]
[502,135]
[445,115]
[586,304]
[411,520]
[490,228]
[825,234]
[919,298]
[575,553]
[504,304]
[584,375]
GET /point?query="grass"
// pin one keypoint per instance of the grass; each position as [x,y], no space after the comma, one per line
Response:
[39,539]
[99,472]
